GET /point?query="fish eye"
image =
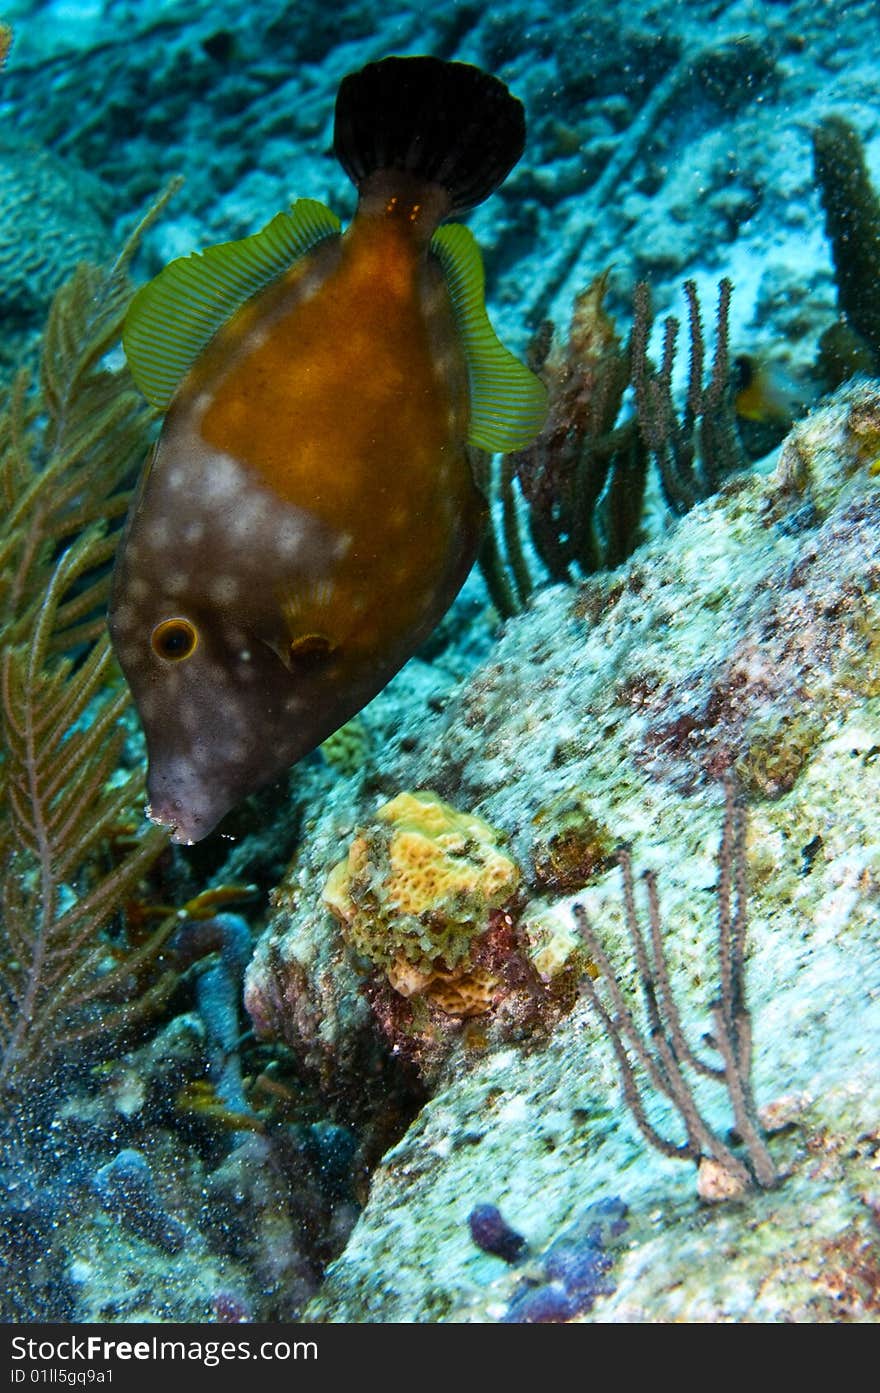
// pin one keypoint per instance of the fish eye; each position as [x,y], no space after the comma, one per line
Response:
[175,639]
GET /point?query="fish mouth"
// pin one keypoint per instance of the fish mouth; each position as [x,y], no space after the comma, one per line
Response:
[180,802]
[169,822]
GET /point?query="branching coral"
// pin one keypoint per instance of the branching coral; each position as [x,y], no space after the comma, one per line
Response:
[67,453]
[852,221]
[696,452]
[583,479]
[581,456]
[662,1053]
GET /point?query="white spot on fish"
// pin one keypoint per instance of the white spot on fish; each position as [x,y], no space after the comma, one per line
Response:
[176,582]
[176,478]
[223,589]
[138,589]
[256,338]
[343,544]
[159,534]
[308,285]
[226,477]
[194,531]
[215,676]
[123,617]
[250,510]
[289,537]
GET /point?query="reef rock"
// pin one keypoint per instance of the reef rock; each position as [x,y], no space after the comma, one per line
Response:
[745,638]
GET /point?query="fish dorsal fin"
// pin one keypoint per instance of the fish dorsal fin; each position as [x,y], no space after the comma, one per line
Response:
[171,319]
[508,402]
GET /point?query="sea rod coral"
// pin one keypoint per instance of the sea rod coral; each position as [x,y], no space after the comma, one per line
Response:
[662,1052]
[581,484]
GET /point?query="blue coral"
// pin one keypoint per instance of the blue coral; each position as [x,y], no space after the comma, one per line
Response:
[218,995]
[491,1232]
[127,1189]
[574,1270]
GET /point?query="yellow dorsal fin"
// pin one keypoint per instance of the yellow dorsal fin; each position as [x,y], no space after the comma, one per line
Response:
[171,319]
[508,402]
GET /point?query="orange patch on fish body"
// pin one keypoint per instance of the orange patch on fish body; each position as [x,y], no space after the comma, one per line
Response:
[310,511]
[349,399]
[347,373]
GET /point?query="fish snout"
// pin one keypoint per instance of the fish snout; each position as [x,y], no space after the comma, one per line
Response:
[185,803]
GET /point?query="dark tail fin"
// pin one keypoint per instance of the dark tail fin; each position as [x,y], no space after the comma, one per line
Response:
[448,123]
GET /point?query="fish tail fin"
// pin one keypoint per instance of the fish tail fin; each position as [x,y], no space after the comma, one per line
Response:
[445,123]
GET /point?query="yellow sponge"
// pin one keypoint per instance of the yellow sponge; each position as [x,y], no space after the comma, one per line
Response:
[418,885]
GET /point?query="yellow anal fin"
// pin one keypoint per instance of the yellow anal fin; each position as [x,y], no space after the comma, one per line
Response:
[173,318]
[508,402]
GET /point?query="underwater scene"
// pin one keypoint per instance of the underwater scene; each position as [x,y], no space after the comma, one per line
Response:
[440,675]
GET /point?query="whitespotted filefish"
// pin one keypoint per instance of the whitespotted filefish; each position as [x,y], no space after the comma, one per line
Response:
[309,512]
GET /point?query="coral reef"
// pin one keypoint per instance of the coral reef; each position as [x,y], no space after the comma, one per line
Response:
[584,479]
[220,946]
[51,217]
[425,901]
[694,454]
[758,608]
[347,748]
[127,1190]
[675,148]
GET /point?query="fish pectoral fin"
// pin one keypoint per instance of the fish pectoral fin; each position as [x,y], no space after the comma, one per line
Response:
[281,648]
[304,651]
[171,319]
[508,402]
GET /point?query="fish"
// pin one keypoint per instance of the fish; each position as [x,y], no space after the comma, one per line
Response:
[310,511]
[763,391]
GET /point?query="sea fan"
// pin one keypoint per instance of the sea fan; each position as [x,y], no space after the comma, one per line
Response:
[68,452]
